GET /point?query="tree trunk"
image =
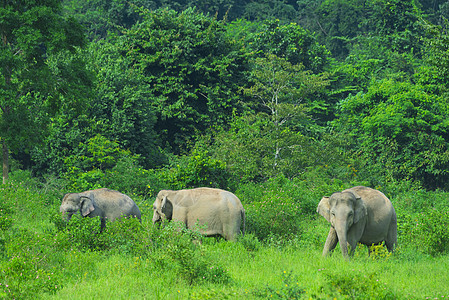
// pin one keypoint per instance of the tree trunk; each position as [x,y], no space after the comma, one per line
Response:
[5,161]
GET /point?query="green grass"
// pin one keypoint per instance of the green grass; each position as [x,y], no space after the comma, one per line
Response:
[125,277]
[39,262]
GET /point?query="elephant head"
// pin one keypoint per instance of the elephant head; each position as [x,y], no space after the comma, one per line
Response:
[73,203]
[345,211]
[163,209]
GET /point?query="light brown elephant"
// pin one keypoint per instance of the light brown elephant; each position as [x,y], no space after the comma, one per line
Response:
[105,203]
[358,215]
[212,211]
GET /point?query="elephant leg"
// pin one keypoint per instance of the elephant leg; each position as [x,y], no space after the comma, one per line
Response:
[392,236]
[331,242]
[102,224]
[352,244]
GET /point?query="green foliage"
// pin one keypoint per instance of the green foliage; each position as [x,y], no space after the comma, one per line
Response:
[340,24]
[379,252]
[400,130]
[192,69]
[269,9]
[275,209]
[6,217]
[126,236]
[130,178]
[357,285]
[339,21]
[291,42]
[290,289]
[26,270]
[250,242]
[256,148]
[6,222]
[426,232]
[86,169]
[121,106]
[32,33]
[79,233]
[180,248]
[198,170]
[436,53]
[101,17]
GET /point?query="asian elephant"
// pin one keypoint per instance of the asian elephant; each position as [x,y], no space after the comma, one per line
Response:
[212,211]
[105,203]
[358,215]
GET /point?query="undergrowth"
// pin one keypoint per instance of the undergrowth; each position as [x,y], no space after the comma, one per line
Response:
[43,256]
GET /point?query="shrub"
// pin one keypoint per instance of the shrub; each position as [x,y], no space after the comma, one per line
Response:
[182,248]
[130,178]
[356,285]
[126,236]
[86,169]
[290,289]
[275,207]
[426,231]
[250,242]
[198,169]
[79,233]
[26,271]
[379,252]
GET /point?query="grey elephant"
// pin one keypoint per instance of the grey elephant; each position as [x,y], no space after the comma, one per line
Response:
[105,203]
[358,215]
[212,211]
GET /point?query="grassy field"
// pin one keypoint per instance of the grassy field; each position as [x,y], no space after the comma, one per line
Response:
[42,258]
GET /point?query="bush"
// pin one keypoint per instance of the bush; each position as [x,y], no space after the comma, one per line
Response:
[250,242]
[130,178]
[126,236]
[86,169]
[197,170]
[276,207]
[290,289]
[26,271]
[79,233]
[356,285]
[181,248]
[426,232]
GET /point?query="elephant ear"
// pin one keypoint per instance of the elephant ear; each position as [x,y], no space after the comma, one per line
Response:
[167,208]
[324,208]
[360,210]
[87,206]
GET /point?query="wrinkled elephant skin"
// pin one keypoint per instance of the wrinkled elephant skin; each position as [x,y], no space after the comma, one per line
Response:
[212,211]
[105,203]
[358,215]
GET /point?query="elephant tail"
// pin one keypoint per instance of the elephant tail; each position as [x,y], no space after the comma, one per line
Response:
[242,214]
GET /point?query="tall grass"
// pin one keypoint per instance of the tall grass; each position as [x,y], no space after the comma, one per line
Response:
[44,258]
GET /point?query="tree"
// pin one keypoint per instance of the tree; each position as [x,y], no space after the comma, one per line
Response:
[436,52]
[342,23]
[30,33]
[401,131]
[192,69]
[292,42]
[280,87]
[277,139]
[122,102]
[101,17]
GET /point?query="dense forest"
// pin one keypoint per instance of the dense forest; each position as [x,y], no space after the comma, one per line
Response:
[256,89]
[241,92]
[278,101]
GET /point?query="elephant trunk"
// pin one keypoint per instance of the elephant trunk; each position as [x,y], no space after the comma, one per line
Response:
[342,231]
